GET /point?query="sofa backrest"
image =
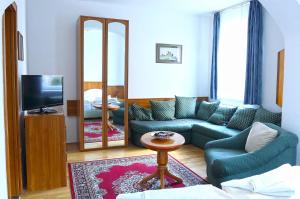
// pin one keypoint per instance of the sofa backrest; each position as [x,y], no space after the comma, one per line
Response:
[290,138]
[145,102]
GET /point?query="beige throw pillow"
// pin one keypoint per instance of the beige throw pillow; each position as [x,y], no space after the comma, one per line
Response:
[260,135]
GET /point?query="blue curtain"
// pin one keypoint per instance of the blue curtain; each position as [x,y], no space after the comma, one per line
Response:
[214,68]
[254,55]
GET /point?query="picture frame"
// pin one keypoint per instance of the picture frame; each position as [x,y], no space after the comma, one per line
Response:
[20,46]
[168,53]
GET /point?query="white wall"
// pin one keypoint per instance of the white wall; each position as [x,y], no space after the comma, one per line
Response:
[22,69]
[286,14]
[52,47]
[273,42]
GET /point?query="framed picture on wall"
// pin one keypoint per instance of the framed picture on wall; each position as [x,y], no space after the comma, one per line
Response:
[20,47]
[168,53]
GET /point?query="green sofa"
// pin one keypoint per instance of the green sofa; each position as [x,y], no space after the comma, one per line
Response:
[195,131]
[227,159]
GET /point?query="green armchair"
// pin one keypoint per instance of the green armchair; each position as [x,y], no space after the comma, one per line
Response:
[227,159]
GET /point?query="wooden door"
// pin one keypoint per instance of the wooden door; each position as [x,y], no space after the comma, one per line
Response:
[11,101]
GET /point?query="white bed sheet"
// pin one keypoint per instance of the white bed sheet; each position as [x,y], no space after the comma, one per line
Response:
[192,192]
[286,175]
[93,95]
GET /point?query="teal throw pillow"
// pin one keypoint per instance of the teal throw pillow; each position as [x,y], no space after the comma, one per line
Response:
[206,109]
[265,116]
[185,107]
[242,118]
[141,113]
[197,106]
[163,110]
[222,115]
[130,113]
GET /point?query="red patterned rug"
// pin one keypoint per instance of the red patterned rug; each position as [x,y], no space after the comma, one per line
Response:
[93,132]
[108,178]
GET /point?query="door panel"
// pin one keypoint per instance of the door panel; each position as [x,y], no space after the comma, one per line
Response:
[103,71]
[92,85]
[116,36]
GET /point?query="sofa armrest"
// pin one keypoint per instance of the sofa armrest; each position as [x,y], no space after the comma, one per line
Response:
[251,161]
[236,142]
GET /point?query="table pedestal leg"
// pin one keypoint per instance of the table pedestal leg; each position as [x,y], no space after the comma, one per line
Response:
[162,170]
[109,125]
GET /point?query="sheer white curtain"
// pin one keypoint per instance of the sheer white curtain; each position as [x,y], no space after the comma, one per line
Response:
[232,53]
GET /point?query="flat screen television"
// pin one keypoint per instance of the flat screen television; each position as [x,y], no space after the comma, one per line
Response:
[41,91]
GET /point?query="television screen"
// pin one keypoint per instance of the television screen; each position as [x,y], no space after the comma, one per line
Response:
[41,91]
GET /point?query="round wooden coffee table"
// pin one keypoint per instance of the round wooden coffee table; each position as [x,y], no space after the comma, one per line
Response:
[110,107]
[162,147]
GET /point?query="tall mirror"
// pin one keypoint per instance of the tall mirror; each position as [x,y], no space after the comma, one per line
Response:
[92,84]
[116,49]
[103,74]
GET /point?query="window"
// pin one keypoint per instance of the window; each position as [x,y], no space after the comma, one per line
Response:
[232,53]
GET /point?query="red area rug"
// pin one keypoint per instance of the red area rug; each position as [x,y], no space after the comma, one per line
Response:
[108,178]
[93,132]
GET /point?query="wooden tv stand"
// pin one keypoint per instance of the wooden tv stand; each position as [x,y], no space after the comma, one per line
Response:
[45,138]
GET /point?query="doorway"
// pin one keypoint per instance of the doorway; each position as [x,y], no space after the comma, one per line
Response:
[11,101]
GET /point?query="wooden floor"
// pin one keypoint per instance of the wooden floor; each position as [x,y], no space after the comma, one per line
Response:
[189,155]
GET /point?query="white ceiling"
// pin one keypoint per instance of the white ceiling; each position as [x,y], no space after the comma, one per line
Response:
[187,6]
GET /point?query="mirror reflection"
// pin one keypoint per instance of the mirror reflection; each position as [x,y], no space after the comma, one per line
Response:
[116,83]
[92,84]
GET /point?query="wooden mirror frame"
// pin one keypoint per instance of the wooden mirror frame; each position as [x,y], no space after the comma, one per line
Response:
[126,24]
[104,22]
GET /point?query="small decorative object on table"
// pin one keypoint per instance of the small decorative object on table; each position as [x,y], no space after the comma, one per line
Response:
[163,135]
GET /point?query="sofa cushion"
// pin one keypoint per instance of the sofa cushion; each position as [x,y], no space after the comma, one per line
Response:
[163,110]
[185,107]
[178,125]
[242,118]
[222,114]
[141,113]
[221,153]
[265,116]
[206,109]
[214,131]
[260,135]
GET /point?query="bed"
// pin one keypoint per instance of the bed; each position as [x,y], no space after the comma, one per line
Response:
[92,96]
[280,183]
